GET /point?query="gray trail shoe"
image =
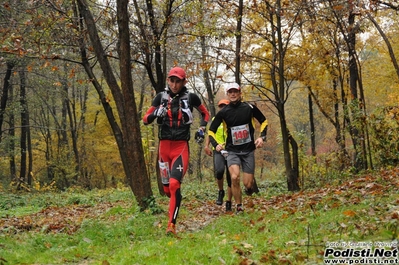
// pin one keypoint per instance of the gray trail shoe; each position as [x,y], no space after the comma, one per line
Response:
[240,210]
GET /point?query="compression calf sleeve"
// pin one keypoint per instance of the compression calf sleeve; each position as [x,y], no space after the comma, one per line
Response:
[175,200]
[219,175]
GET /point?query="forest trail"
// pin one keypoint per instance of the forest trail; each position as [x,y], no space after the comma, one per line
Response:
[199,214]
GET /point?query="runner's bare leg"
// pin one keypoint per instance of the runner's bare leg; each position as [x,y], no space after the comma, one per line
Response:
[235,183]
[248,180]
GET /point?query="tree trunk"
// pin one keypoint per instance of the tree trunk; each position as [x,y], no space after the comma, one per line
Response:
[238,41]
[69,114]
[356,126]
[207,79]
[312,128]
[387,42]
[291,160]
[24,112]
[11,149]
[198,169]
[29,149]
[293,179]
[4,94]
[129,137]
[139,180]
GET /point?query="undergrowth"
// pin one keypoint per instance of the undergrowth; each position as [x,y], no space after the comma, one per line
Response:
[278,227]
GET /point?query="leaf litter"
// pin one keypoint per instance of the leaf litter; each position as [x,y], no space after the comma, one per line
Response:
[68,219]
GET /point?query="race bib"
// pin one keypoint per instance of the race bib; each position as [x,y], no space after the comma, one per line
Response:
[240,134]
[164,172]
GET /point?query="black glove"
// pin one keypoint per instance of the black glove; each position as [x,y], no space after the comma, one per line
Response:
[200,135]
[160,111]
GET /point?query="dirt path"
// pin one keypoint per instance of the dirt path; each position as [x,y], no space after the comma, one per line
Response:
[68,219]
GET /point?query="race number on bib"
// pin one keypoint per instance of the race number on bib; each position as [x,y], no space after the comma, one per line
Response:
[164,172]
[240,134]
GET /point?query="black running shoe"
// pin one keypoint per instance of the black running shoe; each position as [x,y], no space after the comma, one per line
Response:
[228,206]
[255,187]
[219,201]
[249,191]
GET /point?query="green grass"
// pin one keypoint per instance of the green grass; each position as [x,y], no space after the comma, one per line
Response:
[280,228]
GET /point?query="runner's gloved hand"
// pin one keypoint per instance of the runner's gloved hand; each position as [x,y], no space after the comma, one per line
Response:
[200,135]
[160,111]
[224,153]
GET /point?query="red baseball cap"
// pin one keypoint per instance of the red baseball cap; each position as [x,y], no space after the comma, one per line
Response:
[178,72]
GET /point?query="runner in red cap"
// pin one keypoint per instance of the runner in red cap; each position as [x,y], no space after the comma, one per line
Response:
[172,110]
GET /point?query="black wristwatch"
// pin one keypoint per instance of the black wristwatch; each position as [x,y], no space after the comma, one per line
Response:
[263,138]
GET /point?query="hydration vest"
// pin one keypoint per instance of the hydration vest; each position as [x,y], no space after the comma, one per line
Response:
[185,115]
